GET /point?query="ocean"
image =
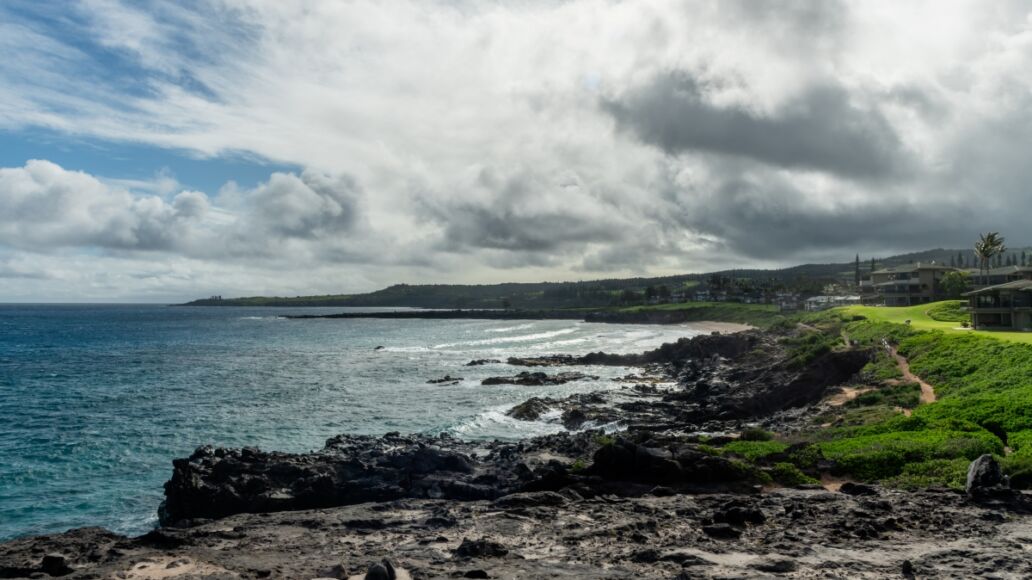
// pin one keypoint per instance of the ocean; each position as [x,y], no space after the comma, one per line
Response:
[96,400]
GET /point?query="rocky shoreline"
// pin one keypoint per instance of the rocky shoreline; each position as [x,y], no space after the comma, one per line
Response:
[648,500]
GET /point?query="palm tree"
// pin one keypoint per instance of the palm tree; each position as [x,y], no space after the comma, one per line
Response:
[988,247]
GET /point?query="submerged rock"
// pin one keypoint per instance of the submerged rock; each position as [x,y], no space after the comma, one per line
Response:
[448,379]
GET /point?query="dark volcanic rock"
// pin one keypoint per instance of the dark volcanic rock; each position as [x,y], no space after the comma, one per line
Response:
[676,464]
[446,379]
[531,409]
[480,549]
[984,474]
[852,488]
[483,361]
[722,531]
[804,535]
[538,379]
[214,483]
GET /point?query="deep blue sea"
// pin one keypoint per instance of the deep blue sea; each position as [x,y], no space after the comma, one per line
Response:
[96,400]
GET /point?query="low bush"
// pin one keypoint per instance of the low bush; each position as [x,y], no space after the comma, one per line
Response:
[881,368]
[754,450]
[950,473]
[905,395]
[1018,466]
[790,475]
[884,455]
[949,311]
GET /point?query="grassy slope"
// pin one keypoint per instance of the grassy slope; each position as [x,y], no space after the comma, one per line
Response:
[984,387]
[920,320]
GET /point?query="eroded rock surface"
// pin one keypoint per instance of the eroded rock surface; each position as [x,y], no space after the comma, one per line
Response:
[784,533]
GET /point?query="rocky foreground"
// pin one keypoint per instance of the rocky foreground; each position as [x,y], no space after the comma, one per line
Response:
[648,502]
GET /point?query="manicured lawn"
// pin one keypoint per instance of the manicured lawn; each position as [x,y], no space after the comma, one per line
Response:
[919,319]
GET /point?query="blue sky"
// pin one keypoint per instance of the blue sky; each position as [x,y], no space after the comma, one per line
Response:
[158,151]
[132,161]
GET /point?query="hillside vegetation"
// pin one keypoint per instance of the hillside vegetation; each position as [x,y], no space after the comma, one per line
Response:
[587,294]
[984,404]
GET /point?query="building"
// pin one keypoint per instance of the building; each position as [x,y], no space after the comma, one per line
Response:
[1006,306]
[910,284]
[997,276]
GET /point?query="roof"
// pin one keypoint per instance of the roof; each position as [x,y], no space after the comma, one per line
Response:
[914,268]
[1017,285]
[1004,270]
[907,282]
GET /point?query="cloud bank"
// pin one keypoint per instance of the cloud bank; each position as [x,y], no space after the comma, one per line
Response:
[462,141]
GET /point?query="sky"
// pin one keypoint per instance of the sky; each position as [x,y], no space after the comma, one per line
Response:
[161,151]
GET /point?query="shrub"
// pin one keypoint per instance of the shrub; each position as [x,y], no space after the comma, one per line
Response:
[950,473]
[1018,466]
[754,450]
[949,311]
[881,368]
[789,475]
[905,395]
[884,455]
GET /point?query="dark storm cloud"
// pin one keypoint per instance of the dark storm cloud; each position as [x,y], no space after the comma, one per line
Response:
[821,130]
[761,215]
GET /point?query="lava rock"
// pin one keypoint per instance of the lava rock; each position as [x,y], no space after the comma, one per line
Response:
[445,379]
[538,379]
[851,488]
[984,474]
[722,531]
[531,409]
[482,548]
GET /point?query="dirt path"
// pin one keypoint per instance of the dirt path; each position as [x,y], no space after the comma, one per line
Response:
[927,391]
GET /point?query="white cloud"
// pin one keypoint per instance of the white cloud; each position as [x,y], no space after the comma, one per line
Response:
[483,141]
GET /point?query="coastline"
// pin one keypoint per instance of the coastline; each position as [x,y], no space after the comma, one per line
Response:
[651,499]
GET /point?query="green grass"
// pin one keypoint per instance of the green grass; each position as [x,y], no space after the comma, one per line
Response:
[920,318]
[983,381]
[759,315]
[949,311]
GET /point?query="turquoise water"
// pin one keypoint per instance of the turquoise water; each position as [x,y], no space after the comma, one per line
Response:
[96,401]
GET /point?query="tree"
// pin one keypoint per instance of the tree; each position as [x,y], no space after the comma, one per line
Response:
[650,293]
[663,293]
[874,265]
[955,284]
[989,245]
[960,259]
[856,273]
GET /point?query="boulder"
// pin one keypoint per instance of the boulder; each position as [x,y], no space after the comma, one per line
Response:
[531,409]
[482,548]
[984,474]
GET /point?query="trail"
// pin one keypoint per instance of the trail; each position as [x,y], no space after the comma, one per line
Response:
[927,391]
